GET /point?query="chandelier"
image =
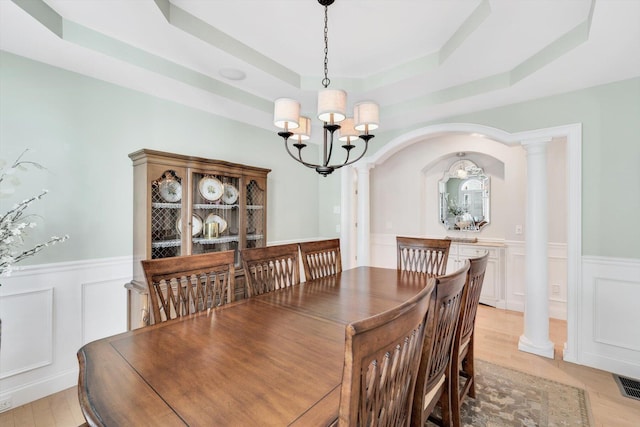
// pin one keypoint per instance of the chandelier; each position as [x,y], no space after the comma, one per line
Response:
[332,106]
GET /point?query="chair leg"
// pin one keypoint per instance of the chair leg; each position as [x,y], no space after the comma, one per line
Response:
[470,369]
[445,403]
[455,401]
[454,385]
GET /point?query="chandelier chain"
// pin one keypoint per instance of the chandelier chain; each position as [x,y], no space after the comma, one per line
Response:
[326,81]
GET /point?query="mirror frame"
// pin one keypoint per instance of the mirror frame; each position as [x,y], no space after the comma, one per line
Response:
[455,215]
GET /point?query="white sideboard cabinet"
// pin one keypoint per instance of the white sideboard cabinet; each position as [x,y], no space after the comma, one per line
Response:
[493,288]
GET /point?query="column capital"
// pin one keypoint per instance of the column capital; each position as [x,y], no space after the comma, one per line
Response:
[364,167]
[535,143]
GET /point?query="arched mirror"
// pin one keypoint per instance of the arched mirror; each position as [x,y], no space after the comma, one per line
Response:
[464,197]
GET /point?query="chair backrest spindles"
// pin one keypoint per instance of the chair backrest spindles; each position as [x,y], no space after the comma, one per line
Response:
[440,331]
[475,278]
[423,255]
[321,258]
[270,268]
[179,286]
[382,356]
[462,360]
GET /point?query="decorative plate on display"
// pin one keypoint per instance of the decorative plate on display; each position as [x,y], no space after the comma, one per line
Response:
[210,188]
[230,194]
[170,190]
[196,225]
[222,224]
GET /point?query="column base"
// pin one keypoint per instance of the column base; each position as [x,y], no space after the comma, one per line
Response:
[545,350]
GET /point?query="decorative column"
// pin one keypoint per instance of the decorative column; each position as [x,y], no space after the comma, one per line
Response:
[348,238]
[535,338]
[363,227]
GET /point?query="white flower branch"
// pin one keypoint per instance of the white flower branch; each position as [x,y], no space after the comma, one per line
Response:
[14,223]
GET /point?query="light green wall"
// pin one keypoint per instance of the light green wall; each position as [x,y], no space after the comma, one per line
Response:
[329,198]
[610,117]
[82,130]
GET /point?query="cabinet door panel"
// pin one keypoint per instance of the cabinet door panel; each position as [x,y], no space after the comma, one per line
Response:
[216,202]
[492,279]
[489,294]
[167,189]
[255,220]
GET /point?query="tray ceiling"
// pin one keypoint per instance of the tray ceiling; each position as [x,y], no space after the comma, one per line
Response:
[421,60]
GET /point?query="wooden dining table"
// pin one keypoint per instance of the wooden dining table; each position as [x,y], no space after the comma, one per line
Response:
[270,360]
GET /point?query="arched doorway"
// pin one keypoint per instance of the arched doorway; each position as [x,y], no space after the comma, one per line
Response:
[572,134]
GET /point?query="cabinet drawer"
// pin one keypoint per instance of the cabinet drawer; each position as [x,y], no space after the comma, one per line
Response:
[476,251]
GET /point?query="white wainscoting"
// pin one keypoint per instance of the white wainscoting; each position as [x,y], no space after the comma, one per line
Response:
[33,311]
[384,251]
[383,254]
[608,333]
[48,312]
[557,270]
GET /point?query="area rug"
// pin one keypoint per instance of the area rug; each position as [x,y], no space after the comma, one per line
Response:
[506,397]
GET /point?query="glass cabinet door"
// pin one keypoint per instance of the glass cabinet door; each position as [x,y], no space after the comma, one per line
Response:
[255,222]
[166,213]
[216,213]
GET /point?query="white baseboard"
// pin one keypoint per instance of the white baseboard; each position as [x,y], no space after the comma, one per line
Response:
[42,387]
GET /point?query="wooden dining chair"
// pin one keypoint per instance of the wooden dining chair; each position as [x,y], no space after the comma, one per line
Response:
[321,258]
[423,255]
[382,355]
[434,375]
[183,285]
[271,267]
[462,360]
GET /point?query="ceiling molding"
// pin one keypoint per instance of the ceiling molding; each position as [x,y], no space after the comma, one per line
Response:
[489,52]
[190,24]
[99,42]
[545,56]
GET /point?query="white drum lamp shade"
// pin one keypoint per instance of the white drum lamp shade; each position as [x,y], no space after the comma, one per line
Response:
[347,131]
[303,131]
[366,116]
[286,113]
[332,104]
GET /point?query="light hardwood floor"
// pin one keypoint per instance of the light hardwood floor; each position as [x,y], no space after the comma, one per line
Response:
[497,334]
[57,410]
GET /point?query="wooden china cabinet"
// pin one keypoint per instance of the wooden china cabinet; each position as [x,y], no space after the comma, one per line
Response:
[185,205]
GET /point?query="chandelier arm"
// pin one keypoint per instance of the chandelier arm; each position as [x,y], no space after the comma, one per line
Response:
[346,160]
[347,163]
[299,158]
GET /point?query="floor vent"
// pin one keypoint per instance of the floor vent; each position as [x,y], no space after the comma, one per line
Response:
[628,387]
